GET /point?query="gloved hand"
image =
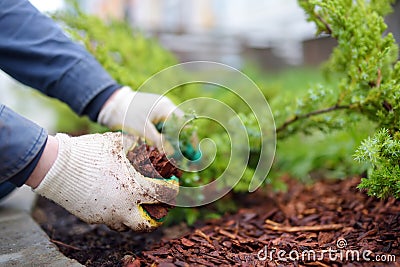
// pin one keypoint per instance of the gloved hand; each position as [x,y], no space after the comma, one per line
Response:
[93,179]
[146,108]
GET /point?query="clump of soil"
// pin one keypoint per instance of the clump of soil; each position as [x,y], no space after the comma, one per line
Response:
[157,211]
[151,163]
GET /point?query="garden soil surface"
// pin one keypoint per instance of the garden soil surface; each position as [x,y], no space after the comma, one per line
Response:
[330,223]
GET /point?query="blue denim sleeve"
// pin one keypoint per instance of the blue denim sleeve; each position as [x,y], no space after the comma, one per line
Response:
[35,51]
[21,141]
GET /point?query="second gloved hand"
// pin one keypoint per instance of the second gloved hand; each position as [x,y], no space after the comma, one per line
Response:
[145,110]
[93,179]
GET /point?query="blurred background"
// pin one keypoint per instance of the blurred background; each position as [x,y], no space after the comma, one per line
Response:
[226,31]
[272,35]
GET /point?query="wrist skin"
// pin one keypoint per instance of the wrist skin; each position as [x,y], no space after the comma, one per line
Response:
[46,161]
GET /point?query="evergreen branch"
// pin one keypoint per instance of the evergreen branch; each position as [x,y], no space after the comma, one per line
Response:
[308,115]
[327,26]
[379,79]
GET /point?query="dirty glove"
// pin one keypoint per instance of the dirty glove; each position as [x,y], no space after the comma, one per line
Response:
[93,179]
[147,110]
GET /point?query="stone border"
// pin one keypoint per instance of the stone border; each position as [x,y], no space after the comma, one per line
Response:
[22,240]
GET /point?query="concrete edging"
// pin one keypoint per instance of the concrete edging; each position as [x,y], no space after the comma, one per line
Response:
[22,240]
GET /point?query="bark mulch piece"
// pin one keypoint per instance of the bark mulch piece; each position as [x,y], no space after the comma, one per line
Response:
[151,163]
[334,220]
[148,161]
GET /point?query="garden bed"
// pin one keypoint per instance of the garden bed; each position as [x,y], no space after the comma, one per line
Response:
[328,216]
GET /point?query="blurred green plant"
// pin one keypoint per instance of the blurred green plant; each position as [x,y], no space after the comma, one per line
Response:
[126,54]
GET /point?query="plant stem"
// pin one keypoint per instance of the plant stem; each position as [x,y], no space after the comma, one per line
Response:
[308,115]
[327,26]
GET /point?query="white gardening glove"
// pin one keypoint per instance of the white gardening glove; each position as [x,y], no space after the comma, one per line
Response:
[146,110]
[93,179]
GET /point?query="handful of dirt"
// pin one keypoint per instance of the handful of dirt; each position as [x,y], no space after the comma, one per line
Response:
[151,163]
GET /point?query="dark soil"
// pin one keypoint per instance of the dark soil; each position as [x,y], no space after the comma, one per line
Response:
[333,219]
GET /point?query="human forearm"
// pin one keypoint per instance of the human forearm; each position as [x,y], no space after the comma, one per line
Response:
[45,162]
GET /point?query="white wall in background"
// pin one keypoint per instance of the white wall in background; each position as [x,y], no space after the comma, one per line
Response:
[280,24]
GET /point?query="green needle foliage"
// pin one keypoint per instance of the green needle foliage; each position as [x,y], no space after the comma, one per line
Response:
[383,153]
[366,64]
[363,63]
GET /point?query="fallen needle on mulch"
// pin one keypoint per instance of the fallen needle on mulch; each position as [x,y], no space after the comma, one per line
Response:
[307,228]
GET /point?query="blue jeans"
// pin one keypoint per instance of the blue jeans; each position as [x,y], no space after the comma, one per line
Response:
[21,140]
[5,189]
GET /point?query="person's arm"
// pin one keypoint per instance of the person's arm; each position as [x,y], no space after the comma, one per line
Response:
[89,175]
[35,51]
[22,143]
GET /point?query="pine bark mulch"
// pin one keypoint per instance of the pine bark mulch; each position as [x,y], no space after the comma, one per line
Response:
[334,220]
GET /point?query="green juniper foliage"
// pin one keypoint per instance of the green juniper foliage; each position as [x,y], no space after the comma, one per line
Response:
[366,69]
[366,64]
[362,62]
[383,152]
